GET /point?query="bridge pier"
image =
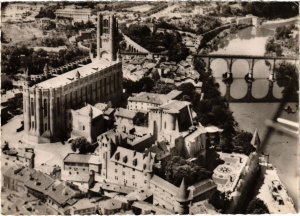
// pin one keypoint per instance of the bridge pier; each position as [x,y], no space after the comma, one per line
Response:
[249,92]
[227,93]
[272,71]
[249,75]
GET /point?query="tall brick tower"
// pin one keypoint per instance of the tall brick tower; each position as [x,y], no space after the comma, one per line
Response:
[107,37]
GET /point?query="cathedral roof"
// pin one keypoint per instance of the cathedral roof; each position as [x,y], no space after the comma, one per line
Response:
[69,77]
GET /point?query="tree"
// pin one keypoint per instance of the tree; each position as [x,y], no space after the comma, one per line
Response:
[46,12]
[178,52]
[147,84]
[287,77]
[178,168]
[6,84]
[82,145]
[257,206]
[242,143]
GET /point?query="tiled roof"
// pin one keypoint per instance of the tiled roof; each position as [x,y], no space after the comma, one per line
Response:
[39,181]
[202,187]
[172,189]
[150,207]
[174,106]
[125,113]
[86,110]
[81,158]
[110,204]
[147,97]
[60,192]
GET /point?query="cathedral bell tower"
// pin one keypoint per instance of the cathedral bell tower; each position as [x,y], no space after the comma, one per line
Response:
[107,37]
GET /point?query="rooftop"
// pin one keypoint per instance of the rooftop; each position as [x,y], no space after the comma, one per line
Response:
[174,106]
[86,110]
[110,204]
[60,192]
[125,113]
[172,189]
[69,77]
[147,97]
[81,158]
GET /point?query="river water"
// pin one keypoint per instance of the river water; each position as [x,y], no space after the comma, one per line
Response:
[282,148]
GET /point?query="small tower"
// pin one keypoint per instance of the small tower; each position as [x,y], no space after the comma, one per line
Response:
[26,77]
[77,75]
[182,197]
[46,70]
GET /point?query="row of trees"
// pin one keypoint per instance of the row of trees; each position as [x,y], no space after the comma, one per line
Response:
[170,42]
[47,12]
[268,10]
[53,41]
[213,109]
[16,57]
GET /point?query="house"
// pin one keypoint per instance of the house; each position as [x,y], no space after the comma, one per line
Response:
[125,117]
[144,100]
[110,206]
[83,206]
[80,168]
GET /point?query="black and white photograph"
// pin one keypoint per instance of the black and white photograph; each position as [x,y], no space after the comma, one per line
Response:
[149,107]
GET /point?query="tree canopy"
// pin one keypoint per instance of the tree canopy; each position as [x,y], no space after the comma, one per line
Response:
[257,206]
[287,77]
[82,145]
[178,168]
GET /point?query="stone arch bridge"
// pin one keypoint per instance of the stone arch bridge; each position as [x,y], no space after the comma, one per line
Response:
[251,60]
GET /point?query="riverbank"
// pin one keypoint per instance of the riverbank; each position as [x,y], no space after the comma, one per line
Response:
[281,21]
[283,149]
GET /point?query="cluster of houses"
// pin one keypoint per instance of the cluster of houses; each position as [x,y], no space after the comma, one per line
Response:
[136,67]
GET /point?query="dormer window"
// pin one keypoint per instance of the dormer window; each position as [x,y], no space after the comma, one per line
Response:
[117,156]
[144,166]
[125,159]
[134,162]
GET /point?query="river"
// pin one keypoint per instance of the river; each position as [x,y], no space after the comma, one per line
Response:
[282,148]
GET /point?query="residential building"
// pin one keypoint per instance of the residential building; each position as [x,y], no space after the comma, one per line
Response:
[178,199]
[77,14]
[81,168]
[144,100]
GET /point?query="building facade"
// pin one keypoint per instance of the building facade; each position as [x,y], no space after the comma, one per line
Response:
[46,104]
[77,15]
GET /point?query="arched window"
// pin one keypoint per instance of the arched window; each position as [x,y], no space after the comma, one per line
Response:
[83,127]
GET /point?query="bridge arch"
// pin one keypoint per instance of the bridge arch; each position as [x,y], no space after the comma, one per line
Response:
[238,88]
[240,67]
[219,66]
[260,88]
[262,68]
[277,91]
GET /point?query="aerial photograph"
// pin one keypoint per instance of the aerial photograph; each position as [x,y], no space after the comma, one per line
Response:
[149,107]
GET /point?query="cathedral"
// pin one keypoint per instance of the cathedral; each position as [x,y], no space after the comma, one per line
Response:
[47,104]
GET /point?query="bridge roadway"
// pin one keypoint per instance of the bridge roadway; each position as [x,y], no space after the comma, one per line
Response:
[215,56]
[245,57]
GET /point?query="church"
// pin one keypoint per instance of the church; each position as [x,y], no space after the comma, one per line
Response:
[47,104]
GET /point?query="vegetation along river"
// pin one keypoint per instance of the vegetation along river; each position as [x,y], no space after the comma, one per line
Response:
[282,148]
